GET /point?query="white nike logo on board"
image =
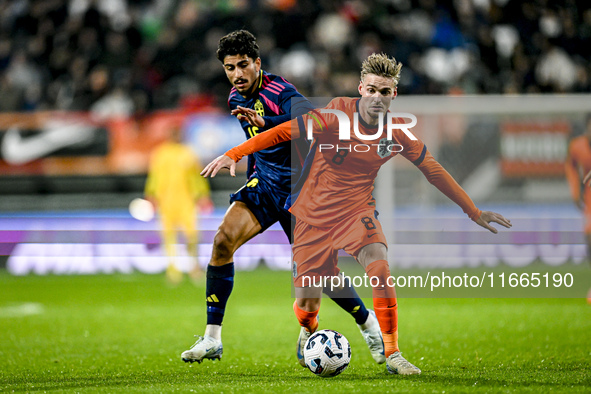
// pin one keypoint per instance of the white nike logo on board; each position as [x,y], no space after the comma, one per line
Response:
[17,149]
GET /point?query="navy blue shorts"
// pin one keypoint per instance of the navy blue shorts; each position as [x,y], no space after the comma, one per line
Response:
[267,206]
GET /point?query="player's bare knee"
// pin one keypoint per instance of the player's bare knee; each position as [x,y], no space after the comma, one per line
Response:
[372,252]
[223,248]
[308,304]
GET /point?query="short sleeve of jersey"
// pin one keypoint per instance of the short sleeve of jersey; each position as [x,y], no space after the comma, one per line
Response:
[290,104]
[290,99]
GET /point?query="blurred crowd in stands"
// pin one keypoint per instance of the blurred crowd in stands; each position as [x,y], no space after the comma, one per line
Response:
[125,57]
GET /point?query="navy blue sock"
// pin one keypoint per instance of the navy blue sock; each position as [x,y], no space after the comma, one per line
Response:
[348,299]
[220,281]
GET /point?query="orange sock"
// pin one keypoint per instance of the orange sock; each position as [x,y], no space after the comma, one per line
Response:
[385,305]
[308,320]
[388,317]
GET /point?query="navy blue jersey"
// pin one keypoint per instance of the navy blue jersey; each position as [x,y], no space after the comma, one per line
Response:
[273,99]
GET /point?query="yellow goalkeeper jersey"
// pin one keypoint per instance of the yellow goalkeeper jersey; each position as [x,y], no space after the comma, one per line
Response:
[173,178]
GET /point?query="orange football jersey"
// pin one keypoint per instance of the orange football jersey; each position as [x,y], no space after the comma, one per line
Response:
[339,178]
[338,175]
[578,164]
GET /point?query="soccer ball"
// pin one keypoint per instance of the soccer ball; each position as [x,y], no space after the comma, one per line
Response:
[327,353]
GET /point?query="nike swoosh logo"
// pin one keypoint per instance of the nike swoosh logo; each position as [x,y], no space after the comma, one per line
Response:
[17,150]
[371,235]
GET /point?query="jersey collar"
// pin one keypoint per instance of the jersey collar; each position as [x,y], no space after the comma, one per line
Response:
[258,85]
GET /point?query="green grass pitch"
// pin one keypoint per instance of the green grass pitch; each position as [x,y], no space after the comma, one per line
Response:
[125,333]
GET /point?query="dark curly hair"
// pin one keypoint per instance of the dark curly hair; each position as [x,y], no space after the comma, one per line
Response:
[239,42]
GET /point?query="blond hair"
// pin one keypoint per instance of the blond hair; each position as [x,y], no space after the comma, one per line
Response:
[382,66]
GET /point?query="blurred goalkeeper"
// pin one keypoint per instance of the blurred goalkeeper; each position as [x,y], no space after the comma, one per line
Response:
[177,191]
[333,202]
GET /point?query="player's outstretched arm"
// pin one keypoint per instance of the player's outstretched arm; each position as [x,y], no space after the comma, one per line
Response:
[259,142]
[217,164]
[487,217]
[446,184]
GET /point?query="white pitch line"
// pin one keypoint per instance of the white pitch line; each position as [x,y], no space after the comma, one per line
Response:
[20,310]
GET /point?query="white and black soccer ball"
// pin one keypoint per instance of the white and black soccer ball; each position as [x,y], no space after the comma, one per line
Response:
[327,353]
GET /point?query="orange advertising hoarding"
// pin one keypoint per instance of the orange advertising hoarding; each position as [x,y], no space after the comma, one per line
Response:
[531,148]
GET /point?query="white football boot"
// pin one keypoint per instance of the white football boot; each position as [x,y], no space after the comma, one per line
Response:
[398,365]
[206,347]
[373,337]
[304,335]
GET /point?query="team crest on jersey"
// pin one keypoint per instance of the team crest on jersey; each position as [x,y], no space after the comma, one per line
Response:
[383,146]
[258,106]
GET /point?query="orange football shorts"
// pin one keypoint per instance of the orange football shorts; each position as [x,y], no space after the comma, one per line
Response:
[315,249]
